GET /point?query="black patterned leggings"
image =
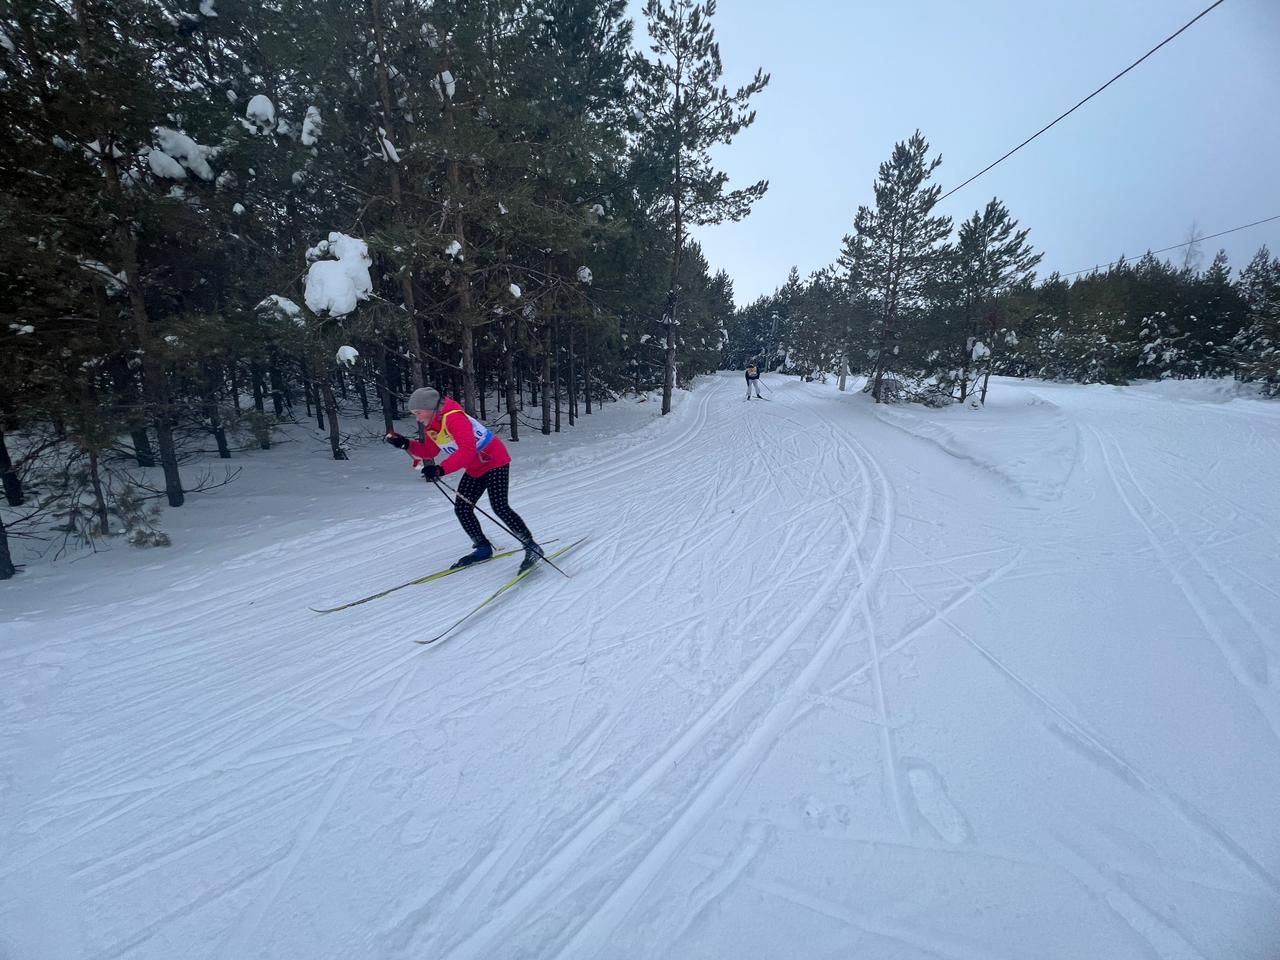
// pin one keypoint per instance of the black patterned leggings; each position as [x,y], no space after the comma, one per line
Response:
[495,482]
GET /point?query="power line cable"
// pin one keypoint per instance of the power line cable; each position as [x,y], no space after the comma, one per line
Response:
[1104,266]
[1085,100]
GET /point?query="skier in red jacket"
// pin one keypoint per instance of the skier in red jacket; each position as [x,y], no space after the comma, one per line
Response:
[467,444]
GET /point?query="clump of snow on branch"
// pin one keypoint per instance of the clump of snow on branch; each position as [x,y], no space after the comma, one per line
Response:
[163,165]
[454,250]
[347,355]
[311,126]
[334,287]
[238,209]
[21,329]
[282,307]
[93,150]
[206,8]
[114,282]
[387,148]
[261,112]
[584,275]
[515,291]
[178,146]
[444,85]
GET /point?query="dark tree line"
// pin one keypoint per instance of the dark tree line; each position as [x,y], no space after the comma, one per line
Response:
[929,313]
[520,176]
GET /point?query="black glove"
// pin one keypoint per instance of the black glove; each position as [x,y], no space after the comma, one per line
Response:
[397,441]
[432,471]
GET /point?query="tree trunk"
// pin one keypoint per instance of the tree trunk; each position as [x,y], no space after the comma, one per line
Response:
[886,338]
[892,277]
[331,407]
[127,250]
[364,396]
[555,362]
[127,389]
[393,176]
[259,388]
[154,390]
[387,365]
[669,367]
[573,382]
[278,395]
[235,384]
[586,364]
[9,478]
[509,372]
[211,412]
[99,501]
[546,379]
[261,429]
[311,394]
[169,459]
[143,455]
[463,312]
[480,382]
[7,568]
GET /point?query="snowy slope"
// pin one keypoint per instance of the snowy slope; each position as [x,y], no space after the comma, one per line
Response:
[828,680]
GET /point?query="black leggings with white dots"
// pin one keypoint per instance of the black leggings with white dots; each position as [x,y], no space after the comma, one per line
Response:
[495,482]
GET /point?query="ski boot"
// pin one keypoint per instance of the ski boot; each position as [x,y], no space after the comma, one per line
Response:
[483,551]
[531,554]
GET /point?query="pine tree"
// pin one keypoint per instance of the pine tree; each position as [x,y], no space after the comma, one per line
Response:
[992,258]
[1256,347]
[896,247]
[683,111]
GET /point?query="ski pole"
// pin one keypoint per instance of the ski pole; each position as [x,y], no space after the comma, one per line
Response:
[445,489]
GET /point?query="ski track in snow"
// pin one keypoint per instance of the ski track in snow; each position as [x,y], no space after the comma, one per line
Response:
[1249,660]
[791,626]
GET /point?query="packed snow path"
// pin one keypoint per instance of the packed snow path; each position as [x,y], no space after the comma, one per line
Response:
[829,680]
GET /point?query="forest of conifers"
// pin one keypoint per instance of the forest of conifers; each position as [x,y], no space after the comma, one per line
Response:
[223,218]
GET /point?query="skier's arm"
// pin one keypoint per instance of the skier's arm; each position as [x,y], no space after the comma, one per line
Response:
[423,449]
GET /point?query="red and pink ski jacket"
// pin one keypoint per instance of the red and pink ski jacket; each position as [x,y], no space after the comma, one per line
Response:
[466,442]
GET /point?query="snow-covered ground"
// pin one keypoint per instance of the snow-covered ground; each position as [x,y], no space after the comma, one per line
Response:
[829,680]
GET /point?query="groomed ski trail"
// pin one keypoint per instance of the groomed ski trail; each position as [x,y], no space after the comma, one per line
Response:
[824,682]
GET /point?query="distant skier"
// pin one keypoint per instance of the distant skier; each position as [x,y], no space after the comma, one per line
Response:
[753,379]
[467,444]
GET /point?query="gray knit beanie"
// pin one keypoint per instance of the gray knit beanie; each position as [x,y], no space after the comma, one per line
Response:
[424,398]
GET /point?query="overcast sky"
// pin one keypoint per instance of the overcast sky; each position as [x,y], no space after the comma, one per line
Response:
[1190,135]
